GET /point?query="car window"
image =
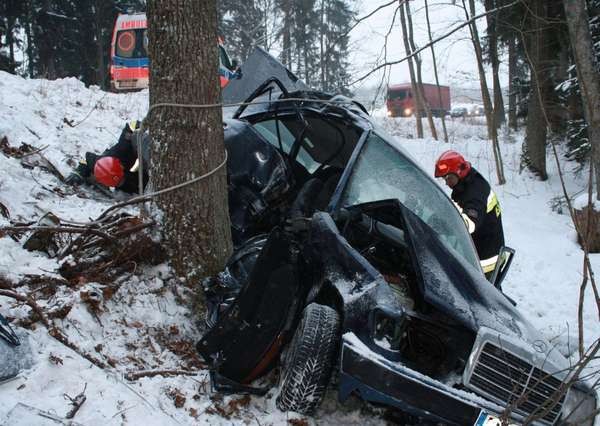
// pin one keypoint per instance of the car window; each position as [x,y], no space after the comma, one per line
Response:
[268,129]
[132,43]
[381,172]
[322,140]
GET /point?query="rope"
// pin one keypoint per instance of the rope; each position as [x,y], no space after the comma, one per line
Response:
[209,106]
[141,198]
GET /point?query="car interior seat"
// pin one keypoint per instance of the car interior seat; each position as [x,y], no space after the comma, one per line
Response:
[315,193]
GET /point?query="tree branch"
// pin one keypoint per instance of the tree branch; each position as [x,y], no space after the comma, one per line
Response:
[52,330]
[134,375]
[440,38]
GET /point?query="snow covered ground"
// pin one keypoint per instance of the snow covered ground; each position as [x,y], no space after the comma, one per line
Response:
[142,326]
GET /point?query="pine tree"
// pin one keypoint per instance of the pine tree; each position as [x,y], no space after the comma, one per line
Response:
[11,12]
[578,142]
[71,37]
[337,17]
[241,25]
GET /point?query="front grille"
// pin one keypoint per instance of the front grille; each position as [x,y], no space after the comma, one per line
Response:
[511,380]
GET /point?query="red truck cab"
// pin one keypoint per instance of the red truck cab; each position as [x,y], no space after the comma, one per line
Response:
[401,101]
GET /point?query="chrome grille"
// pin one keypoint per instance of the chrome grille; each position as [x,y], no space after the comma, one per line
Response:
[511,380]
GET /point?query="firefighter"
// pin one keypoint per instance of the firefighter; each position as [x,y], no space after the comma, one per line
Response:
[116,167]
[477,204]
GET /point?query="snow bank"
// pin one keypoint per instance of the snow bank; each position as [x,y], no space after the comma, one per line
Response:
[139,325]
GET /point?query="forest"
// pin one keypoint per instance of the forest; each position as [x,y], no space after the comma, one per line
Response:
[285,248]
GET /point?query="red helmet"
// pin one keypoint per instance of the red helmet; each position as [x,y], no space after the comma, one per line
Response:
[109,171]
[452,162]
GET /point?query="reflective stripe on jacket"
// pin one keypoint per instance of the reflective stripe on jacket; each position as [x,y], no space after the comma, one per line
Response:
[482,214]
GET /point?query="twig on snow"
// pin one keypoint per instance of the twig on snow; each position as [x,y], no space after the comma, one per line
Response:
[57,229]
[52,330]
[134,375]
[76,402]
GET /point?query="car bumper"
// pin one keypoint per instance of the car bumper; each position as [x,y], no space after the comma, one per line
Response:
[379,380]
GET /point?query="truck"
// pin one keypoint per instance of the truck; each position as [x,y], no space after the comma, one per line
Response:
[401,101]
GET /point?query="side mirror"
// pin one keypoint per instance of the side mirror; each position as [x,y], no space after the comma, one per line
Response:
[505,259]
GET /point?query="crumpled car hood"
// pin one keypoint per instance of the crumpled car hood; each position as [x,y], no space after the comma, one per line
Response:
[462,292]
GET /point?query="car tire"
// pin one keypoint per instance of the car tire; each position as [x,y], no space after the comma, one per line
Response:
[309,360]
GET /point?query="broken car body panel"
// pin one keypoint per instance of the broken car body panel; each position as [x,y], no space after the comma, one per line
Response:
[251,74]
[370,234]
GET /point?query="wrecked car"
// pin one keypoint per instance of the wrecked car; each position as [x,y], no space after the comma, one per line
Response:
[350,258]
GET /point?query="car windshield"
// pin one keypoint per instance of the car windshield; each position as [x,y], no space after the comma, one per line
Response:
[396,95]
[381,172]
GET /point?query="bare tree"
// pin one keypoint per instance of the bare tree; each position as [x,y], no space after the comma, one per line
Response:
[188,142]
[413,81]
[493,52]
[485,94]
[537,129]
[435,70]
[512,95]
[413,47]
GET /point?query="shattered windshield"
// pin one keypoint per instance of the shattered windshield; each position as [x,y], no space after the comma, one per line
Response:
[381,172]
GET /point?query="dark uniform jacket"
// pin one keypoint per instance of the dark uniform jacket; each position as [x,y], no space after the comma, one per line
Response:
[126,151]
[479,203]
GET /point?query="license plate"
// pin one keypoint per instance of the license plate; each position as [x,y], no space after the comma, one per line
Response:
[486,419]
[128,83]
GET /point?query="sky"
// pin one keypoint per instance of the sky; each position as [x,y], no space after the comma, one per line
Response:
[455,56]
[544,279]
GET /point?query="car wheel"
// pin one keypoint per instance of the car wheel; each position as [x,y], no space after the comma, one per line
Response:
[307,365]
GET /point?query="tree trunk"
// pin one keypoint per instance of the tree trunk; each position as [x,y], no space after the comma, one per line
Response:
[411,70]
[499,118]
[188,142]
[512,73]
[28,34]
[485,93]
[101,66]
[10,41]
[587,74]
[535,139]
[536,116]
[322,45]
[413,48]
[286,55]
[435,71]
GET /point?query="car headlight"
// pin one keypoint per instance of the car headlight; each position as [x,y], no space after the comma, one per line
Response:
[407,112]
[579,407]
[387,327]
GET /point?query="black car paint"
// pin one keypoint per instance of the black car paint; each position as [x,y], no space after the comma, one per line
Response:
[452,294]
[257,176]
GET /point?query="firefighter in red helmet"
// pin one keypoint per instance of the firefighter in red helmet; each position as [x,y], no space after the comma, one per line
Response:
[116,167]
[477,204]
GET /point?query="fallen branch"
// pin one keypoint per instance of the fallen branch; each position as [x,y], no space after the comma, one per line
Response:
[58,229]
[52,330]
[134,375]
[76,402]
[33,152]
[30,302]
